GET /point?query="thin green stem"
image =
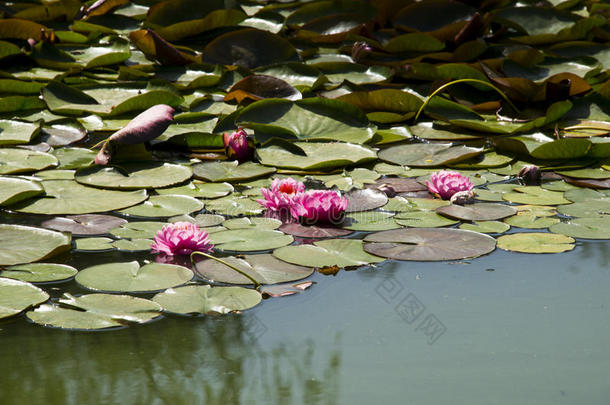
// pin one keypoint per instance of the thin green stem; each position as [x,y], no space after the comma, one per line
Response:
[444,86]
[254,281]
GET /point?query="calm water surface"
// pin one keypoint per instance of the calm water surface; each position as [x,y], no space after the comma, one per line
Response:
[507,328]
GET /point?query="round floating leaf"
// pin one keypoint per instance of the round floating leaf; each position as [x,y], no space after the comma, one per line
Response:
[283,290]
[234,205]
[203,220]
[16,132]
[94,244]
[138,230]
[401,204]
[249,240]
[423,219]
[325,253]
[370,221]
[494,192]
[426,130]
[74,158]
[579,194]
[130,277]
[95,311]
[429,244]
[486,227]
[130,176]
[252,223]
[230,171]
[65,132]
[165,206]
[204,299]
[535,195]
[533,217]
[365,200]
[16,189]
[316,155]
[16,296]
[400,184]
[25,244]
[87,224]
[69,197]
[588,173]
[23,160]
[39,272]
[477,212]
[427,154]
[199,189]
[132,245]
[264,268]
[535,242]
[585,228]
[257,87]
[313,231]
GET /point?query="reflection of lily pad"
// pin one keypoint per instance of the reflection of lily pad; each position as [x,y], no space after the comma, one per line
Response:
[429,244]
[130,277]
[26,244]
[204,299]
[95,311]
[535,242]
[39,272]
[16,296]
[329,252]
[264,268]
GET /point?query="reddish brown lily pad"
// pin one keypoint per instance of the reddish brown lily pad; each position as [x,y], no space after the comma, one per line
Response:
[86,224]
[283,290]
[429,244]
[477,212]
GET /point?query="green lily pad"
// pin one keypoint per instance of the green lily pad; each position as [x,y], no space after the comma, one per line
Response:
[96,244]
[70,197]
[199,189]
[584,228]
[588,173]
[365,200]
[234,205]
[423,219]
[202,220]
[264,268]
[328,252]
[493,192]
[132,245]
[204,299]
[86,224]
[477,211]
[74,158]
[535,195]
[428,154]
[165,206]
[313,231]
[252,223]
[541,146]
[317,155]
[130,277]
[16,189]
[16,132]
[39,272]
[230,171]
[429,244]
[589,208]
[22,160]
[25,244]
[129,176]
[249,240]
[533,217]
[63,132]
[138,230]
[370,221]
[535,242]
[486,227]
[95,311]
[16,296]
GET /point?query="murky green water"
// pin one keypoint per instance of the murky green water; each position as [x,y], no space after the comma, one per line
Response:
[534,330]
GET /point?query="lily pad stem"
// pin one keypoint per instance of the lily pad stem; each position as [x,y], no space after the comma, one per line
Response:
[444,86]
[254,281]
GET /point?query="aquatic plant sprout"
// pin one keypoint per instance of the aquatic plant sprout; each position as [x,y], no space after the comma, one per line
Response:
[445,183]
[282,197]
[181,238]
[236,145]
[322,206]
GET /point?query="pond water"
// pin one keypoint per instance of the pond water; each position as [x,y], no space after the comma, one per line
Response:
[507,328]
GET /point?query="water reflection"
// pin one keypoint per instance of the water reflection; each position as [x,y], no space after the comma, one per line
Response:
[174,361]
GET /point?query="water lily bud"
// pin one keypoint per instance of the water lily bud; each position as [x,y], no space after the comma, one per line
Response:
[530,175]
[237,146]
[359,50]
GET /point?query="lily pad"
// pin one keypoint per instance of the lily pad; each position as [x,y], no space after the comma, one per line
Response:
[264,268]
[252,223]
[138,230]
[477,211]
[25,244]
[39,272]
[428,154]
[95,311]
[74,158]
[165,206]
[86,224]
[234,205]
[365,200]
[95,244]
[486,227]
[16,132]
[230,171]
[16,189]
[132,245]
[584,228]
[130,277]
[69,197]
[249,240]
[313,231]
[22,160]
[370,221]
[199,189]
[535,242]
[535,195]
[329,252]
[204,299]
[429,244]
[129,176]
[423,219]
[16,296]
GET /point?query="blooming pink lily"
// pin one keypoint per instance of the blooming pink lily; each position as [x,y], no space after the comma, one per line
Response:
[181,238]
[282,197]
[322,206]
[446,183]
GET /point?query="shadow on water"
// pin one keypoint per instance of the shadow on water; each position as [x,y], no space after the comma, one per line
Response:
[174,361]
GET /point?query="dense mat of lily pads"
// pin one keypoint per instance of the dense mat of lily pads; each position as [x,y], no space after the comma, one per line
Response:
[367,99]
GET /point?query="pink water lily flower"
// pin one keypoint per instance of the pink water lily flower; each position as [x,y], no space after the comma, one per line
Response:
[446,183]
[237,146]
[282,197]
[322,206]
[181,238]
